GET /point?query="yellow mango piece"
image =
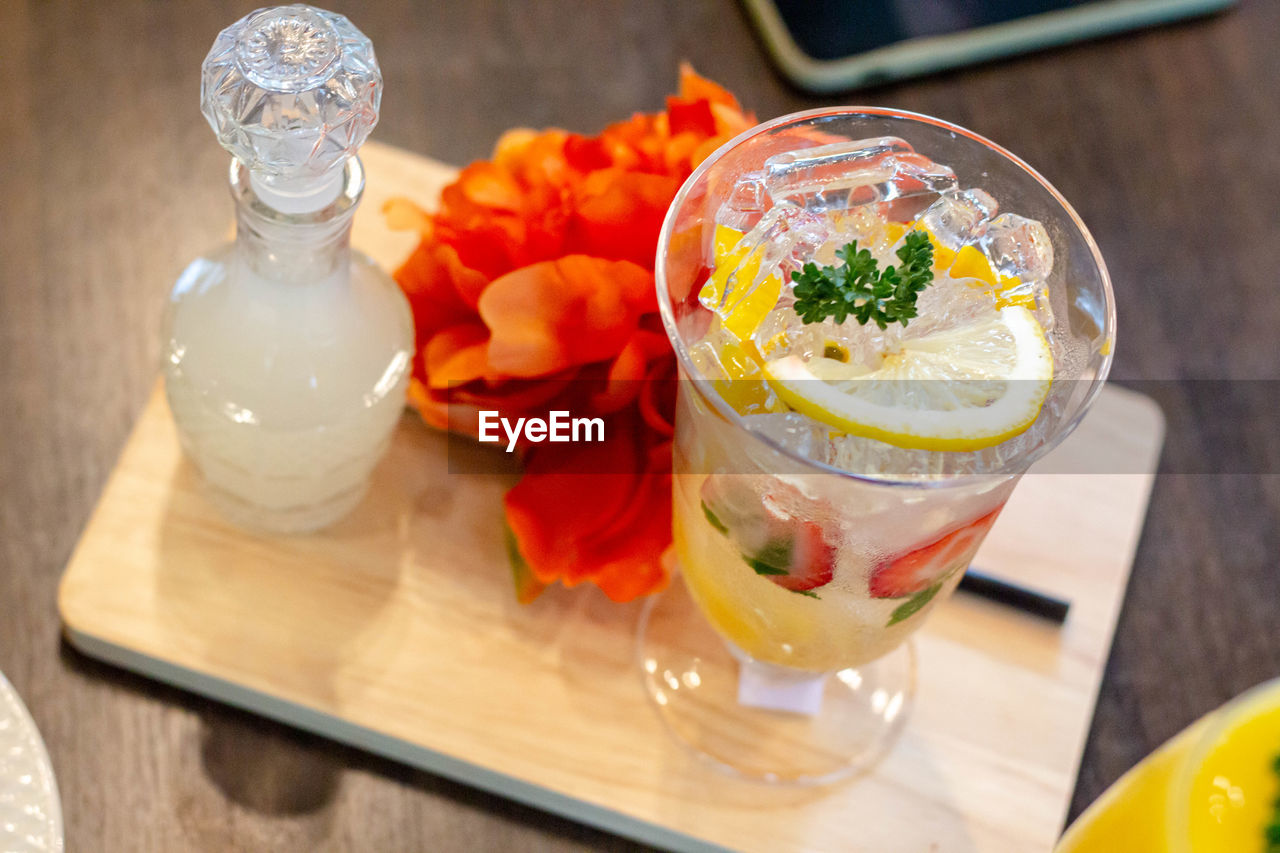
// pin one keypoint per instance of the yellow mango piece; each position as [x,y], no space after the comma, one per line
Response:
[725,239]
[1025,300]
[743,315]
[971,263]
[942,256]
[748,397]
[775,342]
[725,260]
[894,230]
[744,389]
[740,361]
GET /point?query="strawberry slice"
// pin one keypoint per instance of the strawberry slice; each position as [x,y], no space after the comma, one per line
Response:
[920,568]
[769,531]
[799,560]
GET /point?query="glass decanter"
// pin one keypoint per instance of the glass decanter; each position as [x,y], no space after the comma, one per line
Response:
[287,353]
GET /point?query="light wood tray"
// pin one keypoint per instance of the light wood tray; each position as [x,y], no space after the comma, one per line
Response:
[396,631]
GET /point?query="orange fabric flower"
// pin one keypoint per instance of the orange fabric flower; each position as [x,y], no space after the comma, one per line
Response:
[532,289]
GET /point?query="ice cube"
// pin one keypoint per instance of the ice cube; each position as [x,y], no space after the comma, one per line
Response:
[779,331]
[866,457]
[792,431]
[783,333]
[847,174]
[822,164]
[1018,247]
[1033,294]
[915,174]
[959,218]
[863,224]
[747,202]
[948,303]
[781,242]
[830,176]
[705,356]
[790,236]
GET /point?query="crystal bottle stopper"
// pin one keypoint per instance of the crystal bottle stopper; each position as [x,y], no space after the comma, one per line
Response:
[292,92]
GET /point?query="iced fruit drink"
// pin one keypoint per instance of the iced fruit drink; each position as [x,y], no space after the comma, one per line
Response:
[878,348]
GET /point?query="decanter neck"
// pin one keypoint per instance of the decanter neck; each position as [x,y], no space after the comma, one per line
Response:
[289,247]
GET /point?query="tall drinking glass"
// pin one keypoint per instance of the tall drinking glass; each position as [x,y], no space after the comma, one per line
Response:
[809,556]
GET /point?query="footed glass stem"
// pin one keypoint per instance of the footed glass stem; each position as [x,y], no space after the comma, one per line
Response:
[842,723]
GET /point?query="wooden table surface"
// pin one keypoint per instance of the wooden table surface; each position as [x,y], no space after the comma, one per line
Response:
[110,181]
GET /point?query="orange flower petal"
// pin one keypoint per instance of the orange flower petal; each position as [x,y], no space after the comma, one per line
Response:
[511,145]
[681,150]
[462,404]
[466,282]
[625,375]
[427,282]
[557,314]
[705,150]
[434,411]
[685,262]
[694,86]
[548,511]
[488,185]
[696,116]
[618,214]
[403,215]
[535,160]
[657,402]
[610,528]
[730,121]
[586,154]
[532,289]
[457,354]
[639,573]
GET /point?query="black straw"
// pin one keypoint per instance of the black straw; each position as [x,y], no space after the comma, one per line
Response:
[1019,597]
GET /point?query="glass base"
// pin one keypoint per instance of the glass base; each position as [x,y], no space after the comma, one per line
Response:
[695,678]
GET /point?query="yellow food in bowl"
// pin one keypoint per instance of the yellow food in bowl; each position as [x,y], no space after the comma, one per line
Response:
[1214,788]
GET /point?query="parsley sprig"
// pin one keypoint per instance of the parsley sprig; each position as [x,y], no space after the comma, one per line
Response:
[859,289]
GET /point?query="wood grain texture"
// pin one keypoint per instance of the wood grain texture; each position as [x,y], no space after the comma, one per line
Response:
[110,181]
[400,621]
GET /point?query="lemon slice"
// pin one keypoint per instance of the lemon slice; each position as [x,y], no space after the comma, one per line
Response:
[965,388]
[751,300]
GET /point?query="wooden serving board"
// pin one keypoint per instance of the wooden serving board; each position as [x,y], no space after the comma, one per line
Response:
[396,631]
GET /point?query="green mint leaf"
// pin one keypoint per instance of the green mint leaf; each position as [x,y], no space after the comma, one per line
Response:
[913,604]
[807,592]
[527,585]
[859,289]
[763,568]
[773,558]
[713,521]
